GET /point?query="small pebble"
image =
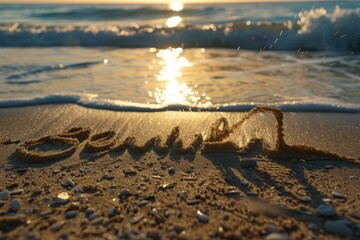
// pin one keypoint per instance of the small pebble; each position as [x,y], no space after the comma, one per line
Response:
[97,221]
[167,186]
[57,226]
[248,163]
[279,192]
[250,193]
[151,198]
[181,194]
[193,201]
[15,205]
[158,177]
[112,212]
[29,211]
[339,228]
[326,200]
[74,206]
[71,214]
[276,236]
[354,178]
[10,141]
[78,189]
[46,212]
[22,170]
[143,203]
[37,191]
[154,212]
[232,193]
[4,195]
[325,210]
[136,219]
[62,198]
[69,183]
[130,171]
[202,217]
[305,198]
[124,193]
[89,211]
[17,192]
[337,194]
[171,170]
[93,216]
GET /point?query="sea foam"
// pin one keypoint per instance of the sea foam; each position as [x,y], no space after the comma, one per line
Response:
[91,101]
[315,30]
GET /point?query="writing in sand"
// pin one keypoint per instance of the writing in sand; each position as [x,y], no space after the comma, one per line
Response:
[33,151]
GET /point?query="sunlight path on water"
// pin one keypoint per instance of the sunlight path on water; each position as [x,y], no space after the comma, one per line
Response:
[174,91]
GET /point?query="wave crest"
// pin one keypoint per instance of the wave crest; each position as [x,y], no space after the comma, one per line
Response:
[316,30]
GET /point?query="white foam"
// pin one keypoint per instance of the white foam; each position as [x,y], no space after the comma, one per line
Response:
[91,101]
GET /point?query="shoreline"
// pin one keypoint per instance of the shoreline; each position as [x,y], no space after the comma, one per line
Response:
[186,196]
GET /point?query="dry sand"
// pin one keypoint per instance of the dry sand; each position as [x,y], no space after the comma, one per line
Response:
[119,194]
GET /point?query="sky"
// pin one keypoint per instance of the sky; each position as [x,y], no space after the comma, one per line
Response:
[137,1]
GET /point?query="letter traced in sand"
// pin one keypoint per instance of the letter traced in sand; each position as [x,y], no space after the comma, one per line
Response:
[101,141]
[217,141]
[28,152]
[79,133]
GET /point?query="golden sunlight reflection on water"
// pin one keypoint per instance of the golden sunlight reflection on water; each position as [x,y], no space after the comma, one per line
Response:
[173,21]
[173,91]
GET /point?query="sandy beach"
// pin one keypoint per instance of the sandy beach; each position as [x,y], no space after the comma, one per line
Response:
[179,119]
[101,189]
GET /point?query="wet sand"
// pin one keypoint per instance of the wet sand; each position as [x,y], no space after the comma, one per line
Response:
[151,194]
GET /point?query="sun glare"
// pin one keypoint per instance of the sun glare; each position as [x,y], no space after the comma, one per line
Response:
[172,91]
[173,21]
[176,6]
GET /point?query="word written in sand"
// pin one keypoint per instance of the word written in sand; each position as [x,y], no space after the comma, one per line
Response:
[63,145]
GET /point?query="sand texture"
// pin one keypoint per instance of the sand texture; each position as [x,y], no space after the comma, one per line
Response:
[68,172]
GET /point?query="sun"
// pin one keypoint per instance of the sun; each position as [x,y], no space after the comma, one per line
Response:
[176,6]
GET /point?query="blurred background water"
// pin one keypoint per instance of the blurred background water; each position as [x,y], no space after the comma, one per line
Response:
[301,56]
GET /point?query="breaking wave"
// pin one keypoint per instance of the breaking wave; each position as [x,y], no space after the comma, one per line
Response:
[316,30]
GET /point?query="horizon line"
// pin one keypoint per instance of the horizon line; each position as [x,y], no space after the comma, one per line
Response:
[12,2]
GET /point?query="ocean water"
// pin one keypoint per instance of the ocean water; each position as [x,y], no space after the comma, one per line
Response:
[300,56]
